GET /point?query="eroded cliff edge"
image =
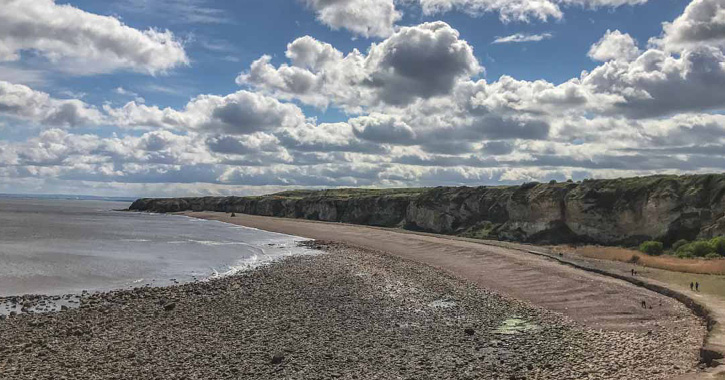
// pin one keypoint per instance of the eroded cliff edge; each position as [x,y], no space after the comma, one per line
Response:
[614,211]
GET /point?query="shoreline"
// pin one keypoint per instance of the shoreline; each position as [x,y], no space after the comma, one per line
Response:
[498,267]
[298,316]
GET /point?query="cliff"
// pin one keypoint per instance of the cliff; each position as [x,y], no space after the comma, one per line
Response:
[615,211]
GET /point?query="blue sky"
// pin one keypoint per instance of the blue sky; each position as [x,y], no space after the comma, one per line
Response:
[243,31]
[140,97]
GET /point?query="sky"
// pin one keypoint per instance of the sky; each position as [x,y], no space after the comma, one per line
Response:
[202,97]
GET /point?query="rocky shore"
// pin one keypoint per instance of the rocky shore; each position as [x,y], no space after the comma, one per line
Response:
[348,313]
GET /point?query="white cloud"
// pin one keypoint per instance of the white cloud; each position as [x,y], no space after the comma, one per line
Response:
[368,18]
[419,117]
[614,46]
[522,37]
[377,18]
[183,11]
[519,10]
[383,129]
[657,83]
[16,74]
[701,24]
[22,102]
[83,42]
[421,61]
[242,112]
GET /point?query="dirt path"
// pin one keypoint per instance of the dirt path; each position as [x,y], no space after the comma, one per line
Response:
[594,300]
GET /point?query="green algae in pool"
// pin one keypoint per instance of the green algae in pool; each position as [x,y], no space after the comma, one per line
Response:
[515,325]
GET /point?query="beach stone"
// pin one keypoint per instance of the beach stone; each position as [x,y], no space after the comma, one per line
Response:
[277,359]
[327,315]
[170,306]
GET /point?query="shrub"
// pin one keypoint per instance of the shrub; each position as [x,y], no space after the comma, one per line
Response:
[651,247]
[678,244]
[698,248]
[718,245]
[684,254]
[712,255]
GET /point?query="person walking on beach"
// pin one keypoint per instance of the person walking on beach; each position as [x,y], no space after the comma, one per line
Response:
[632,271]
[691,285]
[697,286]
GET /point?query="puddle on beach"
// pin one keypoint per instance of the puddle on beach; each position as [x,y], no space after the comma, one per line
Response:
[38,304]
[514,326]
[443,303]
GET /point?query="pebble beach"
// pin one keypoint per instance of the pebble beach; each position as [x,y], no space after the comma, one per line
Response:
[343,313]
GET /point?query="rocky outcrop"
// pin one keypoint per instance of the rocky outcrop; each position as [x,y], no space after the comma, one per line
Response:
[616,211]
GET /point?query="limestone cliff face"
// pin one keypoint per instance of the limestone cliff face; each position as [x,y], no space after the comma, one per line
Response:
[618,211]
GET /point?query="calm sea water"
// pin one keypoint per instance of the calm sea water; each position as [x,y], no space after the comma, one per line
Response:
[66,246]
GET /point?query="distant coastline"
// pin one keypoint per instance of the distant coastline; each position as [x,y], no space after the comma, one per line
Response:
[68,197]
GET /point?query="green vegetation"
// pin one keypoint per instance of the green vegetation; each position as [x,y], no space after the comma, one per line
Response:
[709,283]
[652,248]
[710,249]
[718,245]
[698,248]
[678,244]
[684,254]
[480,231]
[347,193]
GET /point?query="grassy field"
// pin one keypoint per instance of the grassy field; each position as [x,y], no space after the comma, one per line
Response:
[700,266]
[349,193]
[668,269]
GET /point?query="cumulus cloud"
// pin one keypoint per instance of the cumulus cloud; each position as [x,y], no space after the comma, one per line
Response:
[240,113]
[497,148]
[421,61]
[657,83]
[418,116]
[325,137]
[246,144]
[614,45]
[20,101]
[85,43]
[701,24]
[384,129]
[522,37]
[368,18]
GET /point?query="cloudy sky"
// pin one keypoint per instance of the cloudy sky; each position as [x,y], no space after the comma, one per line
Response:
[187,97]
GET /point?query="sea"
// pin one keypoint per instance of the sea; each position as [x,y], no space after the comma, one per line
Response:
[65,246]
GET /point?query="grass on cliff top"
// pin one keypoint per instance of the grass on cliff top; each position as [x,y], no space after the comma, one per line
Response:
[347,193]
[614,183]
[692,181]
